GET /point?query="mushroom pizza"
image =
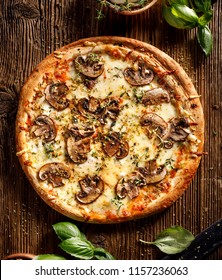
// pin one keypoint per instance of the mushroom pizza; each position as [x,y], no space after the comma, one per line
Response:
[109,129]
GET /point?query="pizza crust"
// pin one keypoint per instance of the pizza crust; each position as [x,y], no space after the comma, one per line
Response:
[170,73]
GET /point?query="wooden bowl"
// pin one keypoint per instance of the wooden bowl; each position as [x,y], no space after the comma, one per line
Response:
[133,11]
[20,256]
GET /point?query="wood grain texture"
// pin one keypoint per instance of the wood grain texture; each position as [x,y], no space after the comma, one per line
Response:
[30,30]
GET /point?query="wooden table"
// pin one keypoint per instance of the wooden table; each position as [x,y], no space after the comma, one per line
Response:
[30,30]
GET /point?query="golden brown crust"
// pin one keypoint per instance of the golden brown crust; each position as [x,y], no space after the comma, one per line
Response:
[177,79]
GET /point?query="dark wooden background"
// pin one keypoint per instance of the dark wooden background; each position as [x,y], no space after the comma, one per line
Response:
[30,30]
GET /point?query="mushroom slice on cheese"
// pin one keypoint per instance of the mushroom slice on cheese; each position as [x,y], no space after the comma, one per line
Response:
[155,96]
[91,189]
[154,124]
[129,185]
[177,129]
[55,94]
[78,150]
[114,145]
[152,172]
[140,76]
[44,127]
[90,65]
[90,107]
[54,172]
[79,131]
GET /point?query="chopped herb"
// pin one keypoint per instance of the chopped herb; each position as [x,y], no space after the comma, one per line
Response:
[117,202]
[169,162]
[110,93]
[137,94]
[125,92]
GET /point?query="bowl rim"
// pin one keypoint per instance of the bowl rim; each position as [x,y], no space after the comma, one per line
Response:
[20,256]
[133,12]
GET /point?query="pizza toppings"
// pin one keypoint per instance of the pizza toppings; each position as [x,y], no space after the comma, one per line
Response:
[154,124]
[177,129]
[130,186]
[79,131]
[140,76]
[44,127]
[99,108]
[113,145]
[112,108]
[155,96]
[91,189]
[90,66]
[152,172]
[54,172]
[90,107]
[55,94]
[78,150]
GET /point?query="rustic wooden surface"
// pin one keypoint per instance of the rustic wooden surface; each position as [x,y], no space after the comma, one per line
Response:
[31,29]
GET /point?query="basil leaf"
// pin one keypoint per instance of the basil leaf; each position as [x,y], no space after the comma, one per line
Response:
[205,18]
[183,2]
[102,254]
[175,21]
[78,248]
[65,230]
[173,240]
[202,5]
[49,257]
[204,37]
[185,13]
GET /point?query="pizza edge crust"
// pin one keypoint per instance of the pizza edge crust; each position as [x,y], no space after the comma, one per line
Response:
[182,182]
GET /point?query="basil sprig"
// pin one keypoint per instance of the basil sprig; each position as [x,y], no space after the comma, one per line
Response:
[75,243]
[188,14]
[172,240]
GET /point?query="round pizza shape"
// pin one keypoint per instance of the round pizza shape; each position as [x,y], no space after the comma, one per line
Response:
[109,129]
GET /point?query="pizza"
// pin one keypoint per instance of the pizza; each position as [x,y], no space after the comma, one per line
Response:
[109,129]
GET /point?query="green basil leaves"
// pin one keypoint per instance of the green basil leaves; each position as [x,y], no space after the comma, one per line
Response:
[184,14]
[172,240]
[65,230]
[75,244]
[78,248]
[204,38]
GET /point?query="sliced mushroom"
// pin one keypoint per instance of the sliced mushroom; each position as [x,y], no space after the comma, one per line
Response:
[78,150]
[130,185]
[79,131]
[154,124]
[45,127]
[55,94]
[152,172]
[123,150]
[139,77]
[89,65]
[94,105]
[89,82]
[90,107]
[177,130]
[54,172]
[113,109]
[155,96]
[113,145]
[91,189]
